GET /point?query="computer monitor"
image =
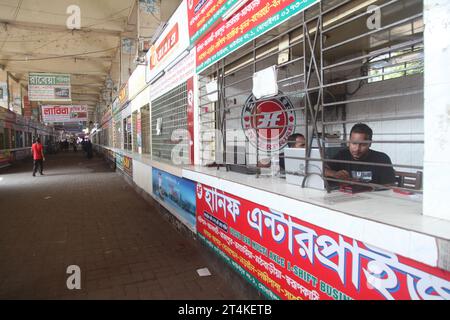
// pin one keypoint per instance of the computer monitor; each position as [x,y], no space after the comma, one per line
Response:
[331,148]
[296,165]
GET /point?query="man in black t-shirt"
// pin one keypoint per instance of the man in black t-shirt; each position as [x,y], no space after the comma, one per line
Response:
[359,151]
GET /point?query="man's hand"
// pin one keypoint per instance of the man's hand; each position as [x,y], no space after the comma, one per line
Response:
[264,163]
[342,175]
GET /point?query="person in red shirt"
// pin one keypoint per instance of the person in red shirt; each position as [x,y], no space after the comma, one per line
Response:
[38,157]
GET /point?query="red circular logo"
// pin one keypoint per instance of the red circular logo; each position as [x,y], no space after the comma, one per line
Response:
[268,123]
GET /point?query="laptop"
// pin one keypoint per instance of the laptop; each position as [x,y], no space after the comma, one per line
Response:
[295,168]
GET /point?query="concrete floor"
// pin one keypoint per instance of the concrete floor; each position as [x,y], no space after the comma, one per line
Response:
[81,213]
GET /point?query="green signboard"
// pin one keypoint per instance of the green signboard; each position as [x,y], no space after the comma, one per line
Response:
[257,18]
[49,87]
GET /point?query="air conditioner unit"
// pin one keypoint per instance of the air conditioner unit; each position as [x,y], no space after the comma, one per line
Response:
[140,59]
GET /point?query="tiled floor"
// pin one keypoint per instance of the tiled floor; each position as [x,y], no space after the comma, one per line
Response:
[81,213]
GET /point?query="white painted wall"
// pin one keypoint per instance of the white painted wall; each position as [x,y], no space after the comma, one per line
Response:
[437,108]
[142,176]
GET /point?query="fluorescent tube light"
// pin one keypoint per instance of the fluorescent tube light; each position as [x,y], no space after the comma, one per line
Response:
[177,60]
[233,9]
[157,77]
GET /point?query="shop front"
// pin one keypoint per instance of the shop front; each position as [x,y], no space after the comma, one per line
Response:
[231,82]
[278,68]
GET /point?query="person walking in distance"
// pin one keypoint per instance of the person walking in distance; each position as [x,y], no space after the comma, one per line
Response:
[38,157]
[89,149]
[74,145]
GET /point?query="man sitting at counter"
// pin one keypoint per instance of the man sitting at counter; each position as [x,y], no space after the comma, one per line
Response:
[359,151]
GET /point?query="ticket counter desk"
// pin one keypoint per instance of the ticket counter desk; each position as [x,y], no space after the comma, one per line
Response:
[295,243]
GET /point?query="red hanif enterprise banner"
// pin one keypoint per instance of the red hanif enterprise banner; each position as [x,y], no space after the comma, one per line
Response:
[287,258]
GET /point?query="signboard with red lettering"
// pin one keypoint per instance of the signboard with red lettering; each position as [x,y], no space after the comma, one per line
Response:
[69,113]
[204,14]
[254,19]
[169,45]
[182,71]
[27,112]
[158,53]
[123,95]
[139,130]
[287,258]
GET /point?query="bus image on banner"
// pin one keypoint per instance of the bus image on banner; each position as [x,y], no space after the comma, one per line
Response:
[119,161]
[176,194]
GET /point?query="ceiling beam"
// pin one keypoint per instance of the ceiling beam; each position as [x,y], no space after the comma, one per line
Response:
[88,85]
[27,57]
[34,26]
[85,95]
[25,69]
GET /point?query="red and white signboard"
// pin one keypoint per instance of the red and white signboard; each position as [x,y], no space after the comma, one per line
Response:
[27,112]
[69,113]
[158,53]
[182,71]
[170,44]
[287,258]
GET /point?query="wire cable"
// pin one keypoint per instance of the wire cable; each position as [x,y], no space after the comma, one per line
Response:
[58,57]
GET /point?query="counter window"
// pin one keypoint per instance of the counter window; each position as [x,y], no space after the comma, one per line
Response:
[348,104]
[127,134]
[145,127]
[19,139]
[134,119]
[117,134]
[13,139]
[28,139]
[2,140]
